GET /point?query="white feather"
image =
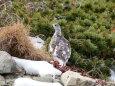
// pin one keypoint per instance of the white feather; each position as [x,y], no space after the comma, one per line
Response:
[30,82]
[55,54]
[64,52]
[112,77]
[37,67]
[50,49]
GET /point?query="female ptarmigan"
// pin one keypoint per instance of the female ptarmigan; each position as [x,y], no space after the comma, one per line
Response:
[59,47]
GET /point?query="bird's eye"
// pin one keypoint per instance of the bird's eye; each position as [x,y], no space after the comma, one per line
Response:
[55,25]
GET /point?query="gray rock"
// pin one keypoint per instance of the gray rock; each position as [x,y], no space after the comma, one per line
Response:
[7,64]
[57,80]
[110,84]
[70,78]
[2,80]
[46,78]
[10,82]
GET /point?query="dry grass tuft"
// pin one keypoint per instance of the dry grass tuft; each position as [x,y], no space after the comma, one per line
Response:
[14,40]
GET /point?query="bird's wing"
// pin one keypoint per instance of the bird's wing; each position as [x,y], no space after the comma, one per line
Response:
[54,42]
[62,49]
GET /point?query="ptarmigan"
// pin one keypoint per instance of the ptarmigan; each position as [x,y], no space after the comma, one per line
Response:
[59,47]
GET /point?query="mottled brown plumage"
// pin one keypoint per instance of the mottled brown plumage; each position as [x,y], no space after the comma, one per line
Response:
[59,47]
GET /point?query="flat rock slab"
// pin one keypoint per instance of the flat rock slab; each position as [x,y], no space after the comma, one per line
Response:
[110,84]
[70,78]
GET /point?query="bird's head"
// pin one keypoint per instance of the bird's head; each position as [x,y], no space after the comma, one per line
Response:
[57,28]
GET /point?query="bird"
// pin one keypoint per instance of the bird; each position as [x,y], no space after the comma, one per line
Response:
[59,46]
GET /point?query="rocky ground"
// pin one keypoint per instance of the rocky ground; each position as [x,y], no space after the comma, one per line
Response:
[9,72]
[66,79]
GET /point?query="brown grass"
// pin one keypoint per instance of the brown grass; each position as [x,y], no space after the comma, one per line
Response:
[14,40]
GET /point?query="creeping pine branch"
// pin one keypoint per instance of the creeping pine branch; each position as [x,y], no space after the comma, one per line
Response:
[5,5]
[12,17]
[3,10]
[9,17]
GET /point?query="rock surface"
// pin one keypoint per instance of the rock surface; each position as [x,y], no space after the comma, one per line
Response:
[7,64]
[37,42]
[66,80]
[10,72]
[70,78]
[8,80]
[2,80]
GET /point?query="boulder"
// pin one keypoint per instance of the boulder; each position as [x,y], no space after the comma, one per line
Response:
[70,78]
[37,42]
[110,84]
[2,80]
[7,64]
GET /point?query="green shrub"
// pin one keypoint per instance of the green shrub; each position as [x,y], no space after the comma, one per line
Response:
[87,27]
